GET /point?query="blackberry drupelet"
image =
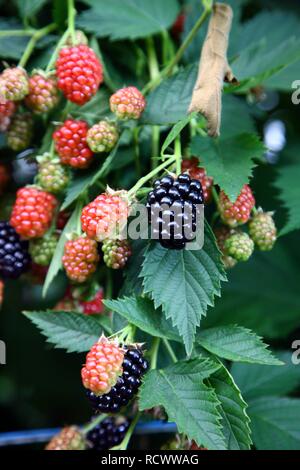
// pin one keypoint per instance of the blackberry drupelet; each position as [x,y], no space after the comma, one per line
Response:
[173,207]
[134,366]
[109,433]
[14,256]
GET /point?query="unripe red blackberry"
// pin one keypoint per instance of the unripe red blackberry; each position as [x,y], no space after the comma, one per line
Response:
[222,232]
[238,212]
[262,230]
[14,84]
[106,216]
[128,103]
[196,173]
[69,438]
[116,253]
[80,258]
[33,212]
[239,246]
[20,132]
[42,249]
[71,144]
[52,175]
[103,366]
[43,94]
[102,137]
[79,73]
[7,110]
[134,366]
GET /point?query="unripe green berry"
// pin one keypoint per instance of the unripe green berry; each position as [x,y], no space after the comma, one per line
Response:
[20,132]
[239,246]
[262,230]
[102,137]
[52,175]
[42,249]
[116,253]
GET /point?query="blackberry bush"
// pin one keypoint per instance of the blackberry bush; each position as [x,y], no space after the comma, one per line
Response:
[149,162]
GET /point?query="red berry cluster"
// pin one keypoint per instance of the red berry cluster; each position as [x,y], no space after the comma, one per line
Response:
[238,212]
[71,144]
[79,73]
[80,259]
[33,212]
[198,173]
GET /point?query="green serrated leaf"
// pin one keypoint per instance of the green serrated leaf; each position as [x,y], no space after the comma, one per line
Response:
[56,263]
[275,423]
[257,381]
[229,160]
[187,401]
[236,343]
[288,184]
[72,331]
[184,283]
[235,421]
[135,18]
[140,312]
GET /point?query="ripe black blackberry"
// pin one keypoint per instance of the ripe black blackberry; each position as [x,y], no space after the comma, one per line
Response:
[14,256]
[109,433]
[134,366]
[173,207]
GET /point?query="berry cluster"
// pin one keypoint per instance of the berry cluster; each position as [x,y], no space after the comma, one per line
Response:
[80,259]
[20,131]
[33,212]
[173,208]
[198,173]
[42,249]
[128,103]
[116,253]
[105,216]
[134,366]
[238,212]
[43,94]
[69,438]
[14,256]
[109,433]
[52,176]
[71,144]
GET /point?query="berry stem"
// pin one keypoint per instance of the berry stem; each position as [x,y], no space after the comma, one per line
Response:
[167,71]
[170,350]
[59,45]
[178,155]
[152,59]
[150,175]
[215,196]
[88,427]
[155,145]
[38,34]
[71,21]
[17,32]
[138,168]
[125,442]
[154,352]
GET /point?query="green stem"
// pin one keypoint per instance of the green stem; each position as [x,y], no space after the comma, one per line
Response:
[152,59]
[154,352]
[170,350]
[178,154]
[150,175]
[155,146]
[87,428]
[17,32]
[167,71]
[215,196]
[71,21]
[138,168]
[59,45]
[125,442]
[32,43]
